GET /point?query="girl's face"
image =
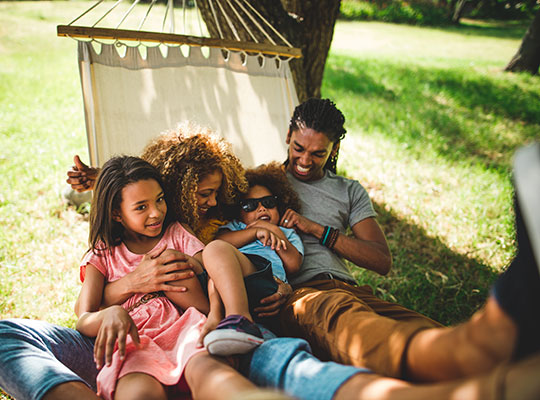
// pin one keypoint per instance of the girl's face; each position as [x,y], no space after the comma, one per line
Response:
[143,209]
[259,195]
[207,192]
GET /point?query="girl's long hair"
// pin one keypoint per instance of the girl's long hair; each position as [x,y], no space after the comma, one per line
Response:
[116,174]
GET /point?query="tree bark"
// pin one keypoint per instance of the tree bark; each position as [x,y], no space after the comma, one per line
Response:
[527,58]
[308,25]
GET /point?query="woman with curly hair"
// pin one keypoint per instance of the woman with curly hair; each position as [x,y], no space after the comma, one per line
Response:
[201,174]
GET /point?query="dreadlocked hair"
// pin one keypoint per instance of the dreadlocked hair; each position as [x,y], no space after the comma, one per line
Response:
[273,177]
[187,155]
[321,115]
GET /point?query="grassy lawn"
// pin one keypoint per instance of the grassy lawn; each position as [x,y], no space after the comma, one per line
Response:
[432,124]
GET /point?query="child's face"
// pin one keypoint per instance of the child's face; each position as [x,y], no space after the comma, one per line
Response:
[143,208]
[207,192]
[268,213]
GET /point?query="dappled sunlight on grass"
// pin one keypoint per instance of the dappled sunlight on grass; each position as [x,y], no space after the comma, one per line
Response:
[460,114]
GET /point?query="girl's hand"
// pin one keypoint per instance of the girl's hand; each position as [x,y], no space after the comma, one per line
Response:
[272,304]
[268,238]
[81,177]
[115,326]
[292,219]
[211,323]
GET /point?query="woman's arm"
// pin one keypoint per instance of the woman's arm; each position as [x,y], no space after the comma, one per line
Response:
[156,271]
[367,249]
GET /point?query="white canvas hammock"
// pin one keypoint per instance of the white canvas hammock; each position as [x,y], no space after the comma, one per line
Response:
[130,98]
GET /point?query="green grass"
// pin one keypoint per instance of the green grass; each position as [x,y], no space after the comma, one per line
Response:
[432,124]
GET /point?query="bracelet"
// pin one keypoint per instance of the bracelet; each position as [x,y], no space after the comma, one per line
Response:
[324,236]
[329,237]
[333,239]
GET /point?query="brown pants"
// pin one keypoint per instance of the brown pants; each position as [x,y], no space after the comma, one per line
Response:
[349,325]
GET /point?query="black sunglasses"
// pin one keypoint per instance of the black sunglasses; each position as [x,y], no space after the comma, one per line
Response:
[249,205]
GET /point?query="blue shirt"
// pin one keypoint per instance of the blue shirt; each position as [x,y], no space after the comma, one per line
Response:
[256,247]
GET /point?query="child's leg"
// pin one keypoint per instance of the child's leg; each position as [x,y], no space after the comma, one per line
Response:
[227,267]
[141,386]
[194,296]
[211,378]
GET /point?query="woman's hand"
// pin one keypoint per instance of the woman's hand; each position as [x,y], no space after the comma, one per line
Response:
[158,267]
[271,305]
[81,177]
[115,326]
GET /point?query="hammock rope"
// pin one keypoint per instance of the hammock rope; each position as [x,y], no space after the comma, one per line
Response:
[241,11]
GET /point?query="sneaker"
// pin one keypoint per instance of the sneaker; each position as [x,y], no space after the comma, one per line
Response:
[234,335]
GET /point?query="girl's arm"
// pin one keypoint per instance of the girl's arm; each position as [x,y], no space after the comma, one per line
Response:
[107,325]
[290,256]
[237,238]
[194,295]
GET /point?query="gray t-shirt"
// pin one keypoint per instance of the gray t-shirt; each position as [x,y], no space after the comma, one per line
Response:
[334,201]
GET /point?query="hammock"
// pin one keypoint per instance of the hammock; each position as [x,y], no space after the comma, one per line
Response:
[134,89]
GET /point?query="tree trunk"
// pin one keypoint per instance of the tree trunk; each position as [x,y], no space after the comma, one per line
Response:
[308,25]
[458,11]
[527,58]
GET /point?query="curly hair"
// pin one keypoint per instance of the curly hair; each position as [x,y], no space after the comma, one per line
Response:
[187,155]
[321,115]
[273,177]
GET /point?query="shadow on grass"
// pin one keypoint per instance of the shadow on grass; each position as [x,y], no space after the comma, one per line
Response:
[495,29]
[427,276]
[462,114]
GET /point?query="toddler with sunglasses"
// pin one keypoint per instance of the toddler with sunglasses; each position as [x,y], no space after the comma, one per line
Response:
[255,232]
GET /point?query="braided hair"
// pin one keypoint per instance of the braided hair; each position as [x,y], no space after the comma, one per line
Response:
[321,115]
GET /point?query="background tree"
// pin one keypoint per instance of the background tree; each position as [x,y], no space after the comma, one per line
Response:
[306,24]
[527,57]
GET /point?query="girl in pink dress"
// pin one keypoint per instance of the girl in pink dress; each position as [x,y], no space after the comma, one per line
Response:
[160,358]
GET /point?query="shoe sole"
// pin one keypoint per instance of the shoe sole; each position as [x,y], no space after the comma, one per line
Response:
[227,342]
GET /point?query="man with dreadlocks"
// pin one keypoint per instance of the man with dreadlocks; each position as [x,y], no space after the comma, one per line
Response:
[345,322]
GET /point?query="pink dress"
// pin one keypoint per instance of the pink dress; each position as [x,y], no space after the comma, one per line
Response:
[168,335]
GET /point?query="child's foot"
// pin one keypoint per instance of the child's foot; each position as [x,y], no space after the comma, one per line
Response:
[234,335]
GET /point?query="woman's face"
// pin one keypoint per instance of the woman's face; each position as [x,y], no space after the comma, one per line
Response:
[207,192]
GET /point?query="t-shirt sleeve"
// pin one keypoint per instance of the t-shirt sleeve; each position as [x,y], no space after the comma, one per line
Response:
[99,261]
[295,240]
[361,207]
[189,244]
